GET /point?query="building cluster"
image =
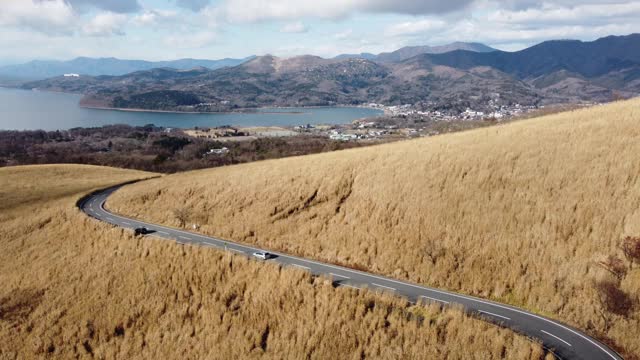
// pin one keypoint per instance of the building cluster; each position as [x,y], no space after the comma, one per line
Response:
[406,121]
[220,151]
[359,130]
[490,111]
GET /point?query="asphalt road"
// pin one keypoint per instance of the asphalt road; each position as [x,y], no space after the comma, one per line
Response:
[565,342]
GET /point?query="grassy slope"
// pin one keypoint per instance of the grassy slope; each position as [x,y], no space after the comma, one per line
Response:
[71,286]
[519,213]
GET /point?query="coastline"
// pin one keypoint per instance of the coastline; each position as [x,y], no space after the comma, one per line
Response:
[248,111]
[382,111]
[241,111]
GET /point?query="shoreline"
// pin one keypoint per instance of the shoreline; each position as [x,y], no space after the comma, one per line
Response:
[242,111]
[382,111]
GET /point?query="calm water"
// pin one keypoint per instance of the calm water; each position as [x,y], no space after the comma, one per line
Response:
[29,110]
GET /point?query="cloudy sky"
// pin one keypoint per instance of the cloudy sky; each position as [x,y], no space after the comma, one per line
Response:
[170,29]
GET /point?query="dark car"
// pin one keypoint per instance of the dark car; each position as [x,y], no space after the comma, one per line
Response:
[141,231]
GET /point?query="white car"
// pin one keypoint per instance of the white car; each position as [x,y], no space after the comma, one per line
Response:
[262,255]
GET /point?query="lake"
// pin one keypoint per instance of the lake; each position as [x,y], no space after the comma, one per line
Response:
[31,110]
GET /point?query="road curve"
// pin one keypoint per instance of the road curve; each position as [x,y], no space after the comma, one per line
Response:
[564,341]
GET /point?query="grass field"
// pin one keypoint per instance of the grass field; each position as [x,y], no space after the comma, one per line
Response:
[73,287]
[521,213]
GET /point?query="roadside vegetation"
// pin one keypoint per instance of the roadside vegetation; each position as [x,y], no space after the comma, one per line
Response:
[525,213]
[73,287]
[149,148]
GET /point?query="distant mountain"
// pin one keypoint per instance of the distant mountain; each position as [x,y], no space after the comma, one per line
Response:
[589,59]
[610,63]
[39,69]
[411,51]
[298,81]
[366,56]
[551,72]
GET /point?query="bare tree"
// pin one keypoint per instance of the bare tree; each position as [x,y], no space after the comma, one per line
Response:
[615,266]
[631,248]
[613,301]
[182,215]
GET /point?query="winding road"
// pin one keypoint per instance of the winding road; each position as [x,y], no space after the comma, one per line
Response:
[564,341]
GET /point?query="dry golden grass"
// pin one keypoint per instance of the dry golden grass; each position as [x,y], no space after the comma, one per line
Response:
[71,286]
[520,213]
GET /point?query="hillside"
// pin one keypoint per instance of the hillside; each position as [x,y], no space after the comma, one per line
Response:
[522,213]
[72,287]
[549,73]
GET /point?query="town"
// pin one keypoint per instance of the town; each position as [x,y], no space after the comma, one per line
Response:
[396,123]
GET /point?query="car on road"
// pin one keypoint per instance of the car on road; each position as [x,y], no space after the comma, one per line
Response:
[141,231]
[263,255]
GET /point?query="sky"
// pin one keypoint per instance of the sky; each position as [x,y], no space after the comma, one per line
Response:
[214,29]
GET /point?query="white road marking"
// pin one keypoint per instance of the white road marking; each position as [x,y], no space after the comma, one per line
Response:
[349,286]
[208,243]
[342,276]
[126,223]
[110,219]
[382,286]
[550,334]
[184,237]
[434,299]
[162,232]
[236,250]
[492,314]
[300,266]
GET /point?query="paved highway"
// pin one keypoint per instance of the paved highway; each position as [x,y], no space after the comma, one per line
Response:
[565,341]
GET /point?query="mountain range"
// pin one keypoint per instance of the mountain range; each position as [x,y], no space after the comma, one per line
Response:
[411,51]
[551,72]
[40,69]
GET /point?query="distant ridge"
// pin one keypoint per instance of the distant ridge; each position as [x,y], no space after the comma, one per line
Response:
[40,69]
[44,69]
[411,51]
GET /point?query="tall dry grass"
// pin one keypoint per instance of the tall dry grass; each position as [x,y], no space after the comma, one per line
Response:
[520,213]
[73,287]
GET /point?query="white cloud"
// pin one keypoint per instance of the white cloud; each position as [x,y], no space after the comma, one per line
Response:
[565,15]
[415,27]
[295,28]
[118,6]
[260,10]
[155,17]
[518,24]
[195,5]
[105,24]
[53,17]
[192,40]
[344,34]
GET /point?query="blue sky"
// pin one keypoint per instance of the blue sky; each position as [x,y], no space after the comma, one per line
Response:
[171,29]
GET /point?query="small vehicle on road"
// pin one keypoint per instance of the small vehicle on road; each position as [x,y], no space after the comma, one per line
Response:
[263,255]
[141,231]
